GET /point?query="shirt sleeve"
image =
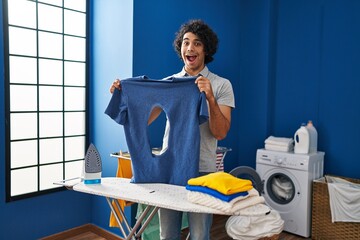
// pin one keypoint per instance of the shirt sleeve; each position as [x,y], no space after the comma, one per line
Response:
[225,95]
[117,109]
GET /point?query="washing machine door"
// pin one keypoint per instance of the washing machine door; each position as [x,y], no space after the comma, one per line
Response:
[281,189]
[249,173]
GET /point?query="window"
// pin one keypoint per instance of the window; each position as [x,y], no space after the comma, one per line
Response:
[46,94]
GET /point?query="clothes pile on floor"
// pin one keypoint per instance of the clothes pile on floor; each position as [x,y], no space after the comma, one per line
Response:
[280,144]
[251,218]
[255,227]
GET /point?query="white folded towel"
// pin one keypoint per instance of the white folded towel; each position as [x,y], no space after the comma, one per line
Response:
[279,148]
[280,141]
[234,207]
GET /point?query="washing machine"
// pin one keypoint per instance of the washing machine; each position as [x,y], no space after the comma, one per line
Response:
[287,185]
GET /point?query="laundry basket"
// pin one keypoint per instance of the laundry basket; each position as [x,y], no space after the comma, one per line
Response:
[322,226]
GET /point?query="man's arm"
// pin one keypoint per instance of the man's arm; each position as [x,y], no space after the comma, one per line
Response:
[219,119]
[220,115]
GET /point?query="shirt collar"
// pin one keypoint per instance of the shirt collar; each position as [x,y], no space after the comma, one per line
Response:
[204,72]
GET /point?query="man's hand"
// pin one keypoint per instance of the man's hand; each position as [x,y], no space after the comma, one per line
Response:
[115,84]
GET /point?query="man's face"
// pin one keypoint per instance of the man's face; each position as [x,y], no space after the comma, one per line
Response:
[192,53]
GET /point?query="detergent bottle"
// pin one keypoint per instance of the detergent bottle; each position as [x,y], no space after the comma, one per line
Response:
[302,140]
[313,137]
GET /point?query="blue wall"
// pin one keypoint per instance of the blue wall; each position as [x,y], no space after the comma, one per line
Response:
[289,61]
[110,58]
[316,76]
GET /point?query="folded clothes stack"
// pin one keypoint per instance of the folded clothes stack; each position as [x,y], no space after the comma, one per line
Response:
[227,193]
[281,144]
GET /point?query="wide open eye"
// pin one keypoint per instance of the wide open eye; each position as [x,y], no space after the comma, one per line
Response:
[198,43]
[186,43]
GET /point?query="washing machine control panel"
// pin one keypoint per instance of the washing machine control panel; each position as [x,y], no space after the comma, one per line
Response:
[280,159]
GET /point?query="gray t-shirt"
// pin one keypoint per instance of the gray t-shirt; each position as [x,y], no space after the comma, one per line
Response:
[224,95]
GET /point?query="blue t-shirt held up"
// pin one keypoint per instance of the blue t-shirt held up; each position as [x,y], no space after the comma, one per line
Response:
[185,107]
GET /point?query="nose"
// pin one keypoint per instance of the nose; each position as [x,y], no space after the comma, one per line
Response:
[190,47]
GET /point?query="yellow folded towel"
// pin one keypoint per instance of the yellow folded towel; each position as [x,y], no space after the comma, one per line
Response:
[123,171]
[222,182]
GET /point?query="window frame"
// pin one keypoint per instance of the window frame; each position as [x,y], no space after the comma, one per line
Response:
[7,85]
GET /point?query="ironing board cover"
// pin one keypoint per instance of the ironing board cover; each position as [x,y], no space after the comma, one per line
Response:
[154,194]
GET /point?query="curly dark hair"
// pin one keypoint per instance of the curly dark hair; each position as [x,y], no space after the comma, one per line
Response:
[207,36]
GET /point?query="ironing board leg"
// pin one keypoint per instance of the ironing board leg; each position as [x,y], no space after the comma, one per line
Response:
[139,221]
[116,215]
[148,219]
[137,224]
[132,231]
[123,216]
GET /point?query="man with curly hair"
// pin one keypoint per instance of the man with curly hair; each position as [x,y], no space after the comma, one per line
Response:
[196,44]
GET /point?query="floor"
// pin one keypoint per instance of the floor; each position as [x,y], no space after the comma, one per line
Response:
[217,233]
[86,236]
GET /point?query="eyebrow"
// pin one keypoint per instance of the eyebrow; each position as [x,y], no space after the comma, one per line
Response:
[196,39]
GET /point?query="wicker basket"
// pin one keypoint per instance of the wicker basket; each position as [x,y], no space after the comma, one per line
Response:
[322,227]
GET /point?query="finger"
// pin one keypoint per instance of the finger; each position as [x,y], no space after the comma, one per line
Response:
[115,84]
[198,79]
[112,89]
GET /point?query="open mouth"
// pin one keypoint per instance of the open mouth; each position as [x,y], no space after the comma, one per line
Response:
[191,58]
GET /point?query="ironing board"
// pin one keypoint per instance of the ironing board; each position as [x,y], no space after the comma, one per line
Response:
[154,195]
